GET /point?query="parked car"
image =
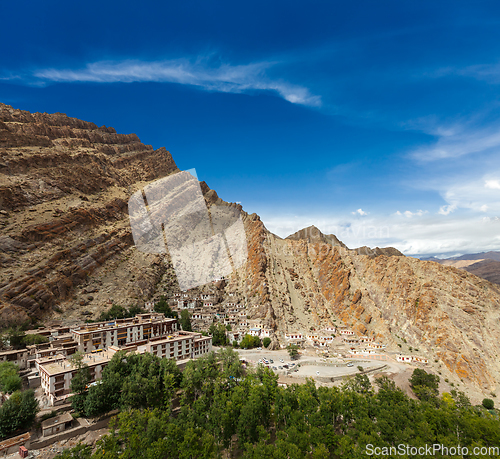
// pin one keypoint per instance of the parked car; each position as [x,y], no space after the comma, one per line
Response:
[280,367]
[272,361]
[275,368]
[281,360]
[350,364]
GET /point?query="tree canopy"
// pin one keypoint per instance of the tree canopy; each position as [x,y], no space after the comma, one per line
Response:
[185,320]
[293,351]
[10,381]
[18,412]
[250,341]
[225,413]
[163,307]
[218,332]
[425,385]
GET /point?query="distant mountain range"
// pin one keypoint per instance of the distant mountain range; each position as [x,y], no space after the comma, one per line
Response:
[483,264]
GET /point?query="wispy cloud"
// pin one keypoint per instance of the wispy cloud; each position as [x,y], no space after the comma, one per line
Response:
[457,141]
[492,184]
[485,72]
[199,72]
[410,214]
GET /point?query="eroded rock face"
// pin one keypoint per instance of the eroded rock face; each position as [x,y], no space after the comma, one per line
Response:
[449,315]
[65,234]
[64,188]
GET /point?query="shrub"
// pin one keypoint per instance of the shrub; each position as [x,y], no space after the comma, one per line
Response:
[488,403]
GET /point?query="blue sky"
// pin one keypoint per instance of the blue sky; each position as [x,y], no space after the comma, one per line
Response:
[376,121]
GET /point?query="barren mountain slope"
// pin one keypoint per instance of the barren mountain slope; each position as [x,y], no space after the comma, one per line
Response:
[445,313]
[66,249]
[65,242]
[485,264]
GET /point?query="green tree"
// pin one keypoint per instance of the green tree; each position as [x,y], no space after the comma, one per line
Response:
[34,339]
[230,363]
[422,378]
[134,310]
[293,351]
[266,341]
[10,381]
[14,337]
[461,400]
[18,412]
[488,403]
[250,341]
[163,307]
[79,382]
[425,385]
[119,312]
[218,332]
[186,320]
[359,383]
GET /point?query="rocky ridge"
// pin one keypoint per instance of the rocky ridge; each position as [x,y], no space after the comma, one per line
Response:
[66,251]
[64,187]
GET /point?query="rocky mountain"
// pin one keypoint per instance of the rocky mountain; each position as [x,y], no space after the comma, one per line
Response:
[66,251]
[491,255]
[487,269]
[445,313]
[313,235]
[65,239]
[484,264]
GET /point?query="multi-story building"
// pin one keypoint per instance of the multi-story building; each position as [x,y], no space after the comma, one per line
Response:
[182,345]
[18,357]
[56,372]
[123,332]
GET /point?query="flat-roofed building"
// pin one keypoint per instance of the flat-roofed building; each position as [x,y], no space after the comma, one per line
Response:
[181,345]
[122,332]
[346,332]
[19,357]
[56,372]
[293,336]
[56,424]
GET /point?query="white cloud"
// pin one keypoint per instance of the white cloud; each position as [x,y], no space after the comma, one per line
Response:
[448,209]
[430,234]
[409,214]
[478,194]
[360,212]
[199,73]
[492,184]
